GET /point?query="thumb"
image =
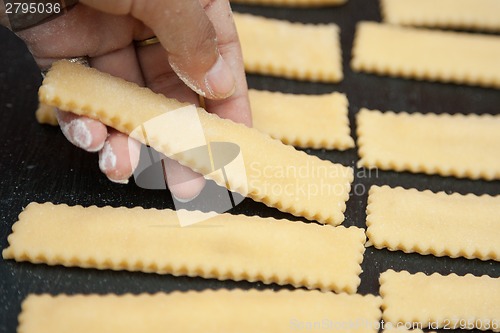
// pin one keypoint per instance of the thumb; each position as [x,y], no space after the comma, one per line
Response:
[189,37]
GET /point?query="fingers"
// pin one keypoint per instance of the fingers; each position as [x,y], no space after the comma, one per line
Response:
[120,154]
[159,75]
[237,106]
[79,32]
[119,157]
[83,132]
[184,184]
[189,37]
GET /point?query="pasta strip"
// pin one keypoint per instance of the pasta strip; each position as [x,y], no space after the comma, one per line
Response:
[225,247]
[46,115]
[306,121]
[434,223]
[291,50]
[274,173]
[455,14]
[439,301]
[293,3]
[464,146]
[427,55]
[221,311]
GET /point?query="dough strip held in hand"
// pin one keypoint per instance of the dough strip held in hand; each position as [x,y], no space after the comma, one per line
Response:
[221,311]
[275,174]
[236,247]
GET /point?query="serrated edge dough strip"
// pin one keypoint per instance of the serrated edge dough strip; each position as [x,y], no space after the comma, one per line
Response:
[441,224]
[291,50]
[438,299]
[306,121]
[427,54]
[293,3]
[46,115]
[269,163]
[463,146]
[455,14]
[235,247]
[221,311]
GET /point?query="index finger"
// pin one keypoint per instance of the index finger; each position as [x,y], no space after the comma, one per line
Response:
[185,31]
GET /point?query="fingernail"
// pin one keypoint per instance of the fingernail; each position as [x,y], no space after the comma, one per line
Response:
[220,80]
[107,158]
[119,181]
[77,132]
[183,200]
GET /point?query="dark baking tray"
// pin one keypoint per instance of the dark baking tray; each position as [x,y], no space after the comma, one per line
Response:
[38,164]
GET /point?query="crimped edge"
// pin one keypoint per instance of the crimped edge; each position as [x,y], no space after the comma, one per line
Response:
[333,218]
[449,22]
[428,169]
[468,253]
[299,140]
[383,293]
[374,313]
[411,72]
[187,269]
[302,74]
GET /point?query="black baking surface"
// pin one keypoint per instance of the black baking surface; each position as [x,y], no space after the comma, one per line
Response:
[38,164]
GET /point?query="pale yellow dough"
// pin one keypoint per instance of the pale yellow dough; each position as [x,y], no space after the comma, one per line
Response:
[464,146]
[427,54]
[444,301]
[227,246]
[293,3]
[219,311]
[306,121]
[46,115]
[275,174]
[291,50]
[441,224]
[456,14]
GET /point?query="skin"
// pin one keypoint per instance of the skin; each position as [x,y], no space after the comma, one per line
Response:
[199,54]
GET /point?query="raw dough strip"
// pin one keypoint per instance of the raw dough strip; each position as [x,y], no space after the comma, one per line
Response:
[427,55]
[434,223]
[291,50]
[227,246]
[293,3]
[449,301]
[276,174]
[306,121]
[464,146]
[455,14]
[46,115]
[221,311]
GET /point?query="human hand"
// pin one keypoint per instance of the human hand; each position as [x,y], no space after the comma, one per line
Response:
[199,53]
